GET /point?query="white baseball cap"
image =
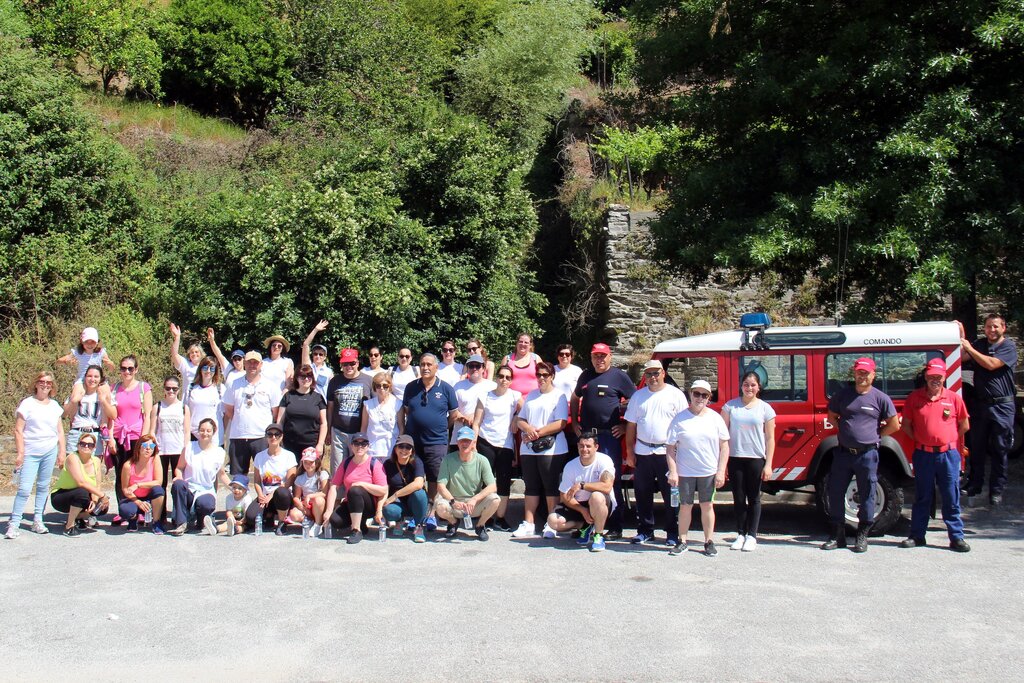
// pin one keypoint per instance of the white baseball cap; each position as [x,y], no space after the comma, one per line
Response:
[90,334]
[700,384]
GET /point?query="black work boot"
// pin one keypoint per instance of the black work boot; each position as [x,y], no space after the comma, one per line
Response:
[837,539]
[862,537]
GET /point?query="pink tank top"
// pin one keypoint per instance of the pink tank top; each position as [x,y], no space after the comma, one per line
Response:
[128,424]
[524,380]
[147,475]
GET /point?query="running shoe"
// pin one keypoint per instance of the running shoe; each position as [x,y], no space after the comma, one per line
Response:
[598,544]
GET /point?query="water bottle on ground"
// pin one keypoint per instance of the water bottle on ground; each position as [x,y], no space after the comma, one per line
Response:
[259,524]
[305,528]
[149,516]
[675,496]
[382,531]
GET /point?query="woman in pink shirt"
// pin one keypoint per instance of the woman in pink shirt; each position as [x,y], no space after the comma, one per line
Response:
[133,400]
[365,488]
[524,361]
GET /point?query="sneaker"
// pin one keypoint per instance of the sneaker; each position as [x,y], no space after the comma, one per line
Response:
[738,543]
[974,500]
[315,530]
[501,525]
[709,548]
[73,532]
[91,522]
[417,534]
[481,532]
[549,532]
[279,529]
[525,530]
[959,545]
[410,524]
[354,537]
[912,543]
[640,538]
[230,528]
[750,545]
[431,523]
[133,524]
[39,528]
[672,541]
[995,500]
[451,531]
[209,526]
[81,524]
[180,529]
[679,549]
[398,530]
[158,529]
[12,531]
[598,543]
[585,533]
[118,520]
[613,535]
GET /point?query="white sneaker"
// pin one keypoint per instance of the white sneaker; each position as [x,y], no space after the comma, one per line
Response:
[549,532]
[12,531]
[230,528]
[739,542]
[750,545]
[525,530]
[209,526]
[315,531]
[39,528]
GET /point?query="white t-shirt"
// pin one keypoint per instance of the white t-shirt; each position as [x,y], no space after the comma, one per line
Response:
[232,376]
[497,418]
[253,407]
[272,471]
[697,439]
[540,410]
[400,378]
[382,425]
[575,471]
[237,506]
[84,360]
[565,380]
[450,374]
[371,373]
[468,395]
[88,415]
[746,427]
[652,413]
[187,370]
[170,427]
[277,370]
[201,468]
[42,424]
[323,375]
[311,484]
[207,402]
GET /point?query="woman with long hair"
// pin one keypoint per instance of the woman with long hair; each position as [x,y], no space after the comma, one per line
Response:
[133,400]
[142,490]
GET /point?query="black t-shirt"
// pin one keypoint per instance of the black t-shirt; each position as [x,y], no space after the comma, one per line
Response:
[302,417]
[996,383]
[400,476]
[602,396]
[348,396]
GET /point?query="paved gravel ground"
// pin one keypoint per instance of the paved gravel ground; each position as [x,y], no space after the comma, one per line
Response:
[103,607]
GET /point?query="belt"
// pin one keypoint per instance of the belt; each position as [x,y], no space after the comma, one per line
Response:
[936,449]
[651,445]
[85,430]
[858,451]
[997,400]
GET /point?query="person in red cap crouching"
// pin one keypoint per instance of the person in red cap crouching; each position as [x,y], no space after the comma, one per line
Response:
[864,415]
[936,419]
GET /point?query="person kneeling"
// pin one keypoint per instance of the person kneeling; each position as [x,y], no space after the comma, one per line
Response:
[586,494]
[466,487]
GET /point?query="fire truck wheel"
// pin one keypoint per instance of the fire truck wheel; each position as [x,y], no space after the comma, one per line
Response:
[888,501]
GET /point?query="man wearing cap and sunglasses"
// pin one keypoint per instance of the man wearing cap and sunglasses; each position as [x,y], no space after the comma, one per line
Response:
[864,415]
[935,419]
[597,404]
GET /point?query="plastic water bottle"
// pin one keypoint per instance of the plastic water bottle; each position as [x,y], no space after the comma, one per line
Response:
[382,531]
[149,515]
[675,496]
[306,524]
[467,521]
[259,524]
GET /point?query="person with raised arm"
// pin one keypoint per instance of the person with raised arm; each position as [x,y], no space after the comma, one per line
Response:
[315,355]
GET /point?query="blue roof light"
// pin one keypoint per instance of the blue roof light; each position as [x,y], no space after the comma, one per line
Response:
[755,321]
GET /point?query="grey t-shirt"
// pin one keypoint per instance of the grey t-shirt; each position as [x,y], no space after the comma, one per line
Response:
[746,428]
[859,415]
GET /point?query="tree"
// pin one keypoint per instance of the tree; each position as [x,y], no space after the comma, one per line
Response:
[114,39]
[871,143]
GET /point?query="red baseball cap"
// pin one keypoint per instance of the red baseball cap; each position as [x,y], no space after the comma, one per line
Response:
[349,356]
[936,366]
[601,348]
[864,363]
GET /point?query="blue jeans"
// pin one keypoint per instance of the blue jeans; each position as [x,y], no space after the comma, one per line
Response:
[945,469]
[414,505]
[36,470]
[129,508]
[612,447]
[845,466]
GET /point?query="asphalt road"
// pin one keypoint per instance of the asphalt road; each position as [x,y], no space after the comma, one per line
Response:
[111,606]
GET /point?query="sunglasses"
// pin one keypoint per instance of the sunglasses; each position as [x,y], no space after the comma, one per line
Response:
[507,378]
[348,365]
[321,353]
[128,370]
[448,350]
[45,382]
[360,443]
[700,395]
[543,375]
[373,355]
[87,444]
[565,354]
[171,388]
[206,368]
[652,373]
[381,386]
[473,366]
[305,378]
[148,446]
[405,355]
[274,435]
[472,349]
[403,447]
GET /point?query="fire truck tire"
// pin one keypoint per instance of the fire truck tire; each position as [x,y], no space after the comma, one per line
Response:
[888,501]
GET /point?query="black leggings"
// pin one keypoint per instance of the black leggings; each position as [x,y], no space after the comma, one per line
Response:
[357,500]
[121,456]
[501,464]
[745,477]
[65,499]
[281,500]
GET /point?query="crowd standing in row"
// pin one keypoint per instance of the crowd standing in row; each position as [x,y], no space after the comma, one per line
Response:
[412,443]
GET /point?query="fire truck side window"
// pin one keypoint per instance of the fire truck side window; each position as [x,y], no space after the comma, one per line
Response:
[897,373]
[683,371]
[783,377]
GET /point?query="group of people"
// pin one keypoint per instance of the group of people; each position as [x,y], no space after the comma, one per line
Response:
[406,446]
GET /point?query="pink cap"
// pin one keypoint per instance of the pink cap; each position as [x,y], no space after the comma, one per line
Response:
[601,348]
[936,366]
[309,454]
[864,363]
[349,356]
[90,334]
